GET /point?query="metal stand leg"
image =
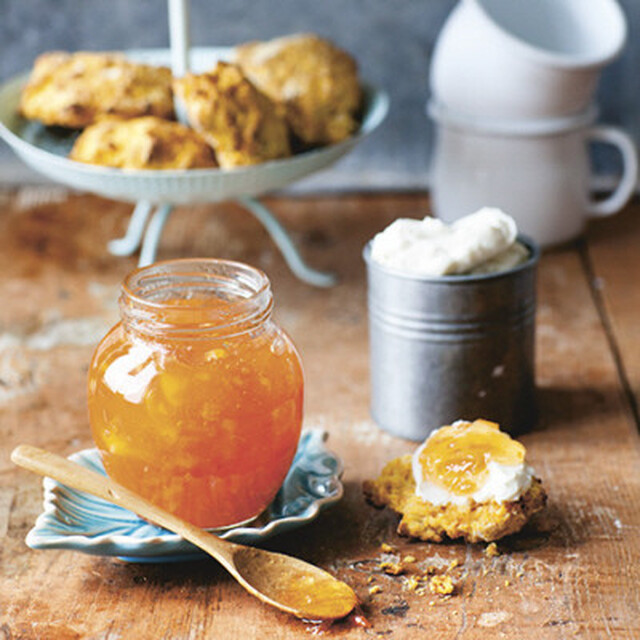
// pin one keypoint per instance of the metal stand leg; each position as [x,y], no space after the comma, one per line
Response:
[288,249]
[136,235]
[152,236]
[130,242]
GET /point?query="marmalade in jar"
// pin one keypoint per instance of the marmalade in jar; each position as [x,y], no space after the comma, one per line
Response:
[195,397]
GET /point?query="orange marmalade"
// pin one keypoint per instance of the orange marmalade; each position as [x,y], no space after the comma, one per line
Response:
[456,457]
[195,397]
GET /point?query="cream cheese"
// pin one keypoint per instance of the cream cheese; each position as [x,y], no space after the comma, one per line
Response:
[504,483]
[484,241]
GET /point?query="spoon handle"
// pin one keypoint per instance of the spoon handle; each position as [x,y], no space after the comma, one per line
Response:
[78,477]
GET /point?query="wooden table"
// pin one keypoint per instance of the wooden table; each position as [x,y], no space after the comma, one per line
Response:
[574,573]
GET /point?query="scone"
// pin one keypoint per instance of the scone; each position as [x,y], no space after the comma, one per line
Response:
[237,120]
[467,480]
[142,143]
[315,83]
[74,89]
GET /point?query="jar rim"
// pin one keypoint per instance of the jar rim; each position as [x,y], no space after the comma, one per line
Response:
[247,288]
[163,267]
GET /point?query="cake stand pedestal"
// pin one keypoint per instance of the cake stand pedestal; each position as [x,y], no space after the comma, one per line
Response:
[146,237]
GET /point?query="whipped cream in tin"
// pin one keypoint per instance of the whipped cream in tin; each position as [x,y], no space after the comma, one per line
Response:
[483,242]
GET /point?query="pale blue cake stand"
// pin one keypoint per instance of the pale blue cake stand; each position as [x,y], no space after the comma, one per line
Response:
[156,192]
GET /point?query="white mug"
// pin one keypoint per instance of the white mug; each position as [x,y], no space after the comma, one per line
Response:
[524,59]
[539,176]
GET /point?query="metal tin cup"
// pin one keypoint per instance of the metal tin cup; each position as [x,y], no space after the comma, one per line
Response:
[445,348]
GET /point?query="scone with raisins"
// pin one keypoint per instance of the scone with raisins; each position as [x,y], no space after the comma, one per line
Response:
[74,89]
[313,81]
[237,120]
[142,143]
[468,480]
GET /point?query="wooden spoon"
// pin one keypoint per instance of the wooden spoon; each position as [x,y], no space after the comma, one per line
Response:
[284,582]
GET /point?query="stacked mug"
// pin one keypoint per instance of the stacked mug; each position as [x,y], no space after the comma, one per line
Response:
[512,86]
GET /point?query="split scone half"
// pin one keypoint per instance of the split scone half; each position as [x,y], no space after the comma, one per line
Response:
[142,143]
[468,480]
[237,120]
[74,89]
[313,81]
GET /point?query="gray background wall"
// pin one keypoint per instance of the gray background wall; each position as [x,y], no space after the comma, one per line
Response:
[391,40]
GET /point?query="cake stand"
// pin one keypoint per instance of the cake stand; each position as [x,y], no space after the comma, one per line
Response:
[156,192]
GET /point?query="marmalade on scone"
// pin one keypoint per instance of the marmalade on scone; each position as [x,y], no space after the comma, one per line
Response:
[456,457]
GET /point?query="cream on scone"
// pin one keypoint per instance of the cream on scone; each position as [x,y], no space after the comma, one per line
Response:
[482,463]
[467,480]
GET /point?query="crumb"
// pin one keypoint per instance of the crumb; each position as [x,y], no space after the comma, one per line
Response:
[371,579]
[520,573]
[491,550]
[485,571]
[386,548]
[375,589]
[453,565]
[432,603]
[442,585]
[408,560]
[431,569]
[412,583]
[392,568]
[506,583]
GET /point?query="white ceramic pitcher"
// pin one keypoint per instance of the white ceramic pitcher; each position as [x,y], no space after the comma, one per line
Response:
[524,59]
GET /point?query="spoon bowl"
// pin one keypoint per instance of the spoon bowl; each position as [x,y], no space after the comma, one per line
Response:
[287,583]
[293,585]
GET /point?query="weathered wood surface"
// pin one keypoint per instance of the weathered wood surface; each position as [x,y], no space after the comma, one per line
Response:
[574,573]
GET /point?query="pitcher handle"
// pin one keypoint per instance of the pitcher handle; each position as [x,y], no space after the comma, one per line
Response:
[626,187]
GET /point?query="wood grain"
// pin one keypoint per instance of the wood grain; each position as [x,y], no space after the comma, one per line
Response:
[574,573]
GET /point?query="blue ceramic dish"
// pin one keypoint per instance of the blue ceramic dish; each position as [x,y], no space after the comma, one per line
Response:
[81,522]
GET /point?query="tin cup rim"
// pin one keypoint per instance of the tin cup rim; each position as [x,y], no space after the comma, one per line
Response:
[532,261]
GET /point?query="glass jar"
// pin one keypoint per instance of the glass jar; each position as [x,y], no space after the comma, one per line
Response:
[195,396]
